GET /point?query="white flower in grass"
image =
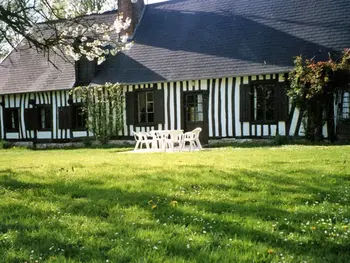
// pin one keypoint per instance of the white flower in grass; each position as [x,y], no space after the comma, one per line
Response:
[188,246]
[155,247]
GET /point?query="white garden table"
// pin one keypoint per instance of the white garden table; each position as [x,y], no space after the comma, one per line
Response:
[163,139]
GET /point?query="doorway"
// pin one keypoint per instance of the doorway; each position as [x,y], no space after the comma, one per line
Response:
[196,113]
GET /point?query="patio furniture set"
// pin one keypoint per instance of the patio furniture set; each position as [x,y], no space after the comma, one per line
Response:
[168,140]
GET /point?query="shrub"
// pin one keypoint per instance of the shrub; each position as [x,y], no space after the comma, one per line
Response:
[104,109]
[4,144]
[313,87]
[280,140]
[87,141]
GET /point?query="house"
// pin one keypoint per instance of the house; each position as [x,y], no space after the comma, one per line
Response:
[215,64]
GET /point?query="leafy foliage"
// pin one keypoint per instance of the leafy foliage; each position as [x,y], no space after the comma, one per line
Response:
[4,144]
[104,107]
[313,86]
[62,27]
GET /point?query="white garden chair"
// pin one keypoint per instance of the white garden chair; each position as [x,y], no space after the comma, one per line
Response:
[192,138]
[175,137]
[142,139]
[158,139]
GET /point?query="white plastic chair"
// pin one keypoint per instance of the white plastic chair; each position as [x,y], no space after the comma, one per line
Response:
[157,139]
[142,139]
[192,138]
[174,137]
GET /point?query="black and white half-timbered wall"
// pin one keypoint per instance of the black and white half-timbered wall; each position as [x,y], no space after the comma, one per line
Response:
[235,107]
[214,64]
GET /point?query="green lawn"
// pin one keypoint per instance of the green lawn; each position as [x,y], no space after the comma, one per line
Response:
[269,204]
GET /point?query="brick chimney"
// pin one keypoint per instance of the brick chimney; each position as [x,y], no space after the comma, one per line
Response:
[132,9]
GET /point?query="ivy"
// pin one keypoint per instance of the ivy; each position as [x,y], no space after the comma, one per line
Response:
[313,87]
[103,107]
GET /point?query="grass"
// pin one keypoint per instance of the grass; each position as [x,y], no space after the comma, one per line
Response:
[270,204]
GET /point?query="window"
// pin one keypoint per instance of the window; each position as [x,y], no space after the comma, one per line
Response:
[38,118]
[78,117]
[11,119]
[145,107]
[264,102]
[194,107]
[345,106]
[45,118]
[72,117]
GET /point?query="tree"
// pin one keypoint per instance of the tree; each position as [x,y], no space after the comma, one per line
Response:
[313,86]
[63,27]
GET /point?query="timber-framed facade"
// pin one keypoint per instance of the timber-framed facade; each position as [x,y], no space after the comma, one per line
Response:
[225,112]
[192,65]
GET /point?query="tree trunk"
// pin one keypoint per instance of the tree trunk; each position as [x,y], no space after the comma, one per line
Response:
[330,118]
[314,121]
[318,123]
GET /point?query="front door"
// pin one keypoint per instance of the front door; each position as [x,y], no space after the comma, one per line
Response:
[196,113]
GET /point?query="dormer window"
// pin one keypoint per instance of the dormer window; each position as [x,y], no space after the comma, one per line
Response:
[85,71]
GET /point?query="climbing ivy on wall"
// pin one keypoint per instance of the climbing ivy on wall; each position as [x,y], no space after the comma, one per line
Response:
[103,107]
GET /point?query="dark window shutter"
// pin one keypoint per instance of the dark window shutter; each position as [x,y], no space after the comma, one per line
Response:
[130,107]
[205,106]
[7,119]
[62,123]
[245,102]
[16,114]
[158,106]
[65,117]
[281,102]
[49,117]
[31,118]
[74,111]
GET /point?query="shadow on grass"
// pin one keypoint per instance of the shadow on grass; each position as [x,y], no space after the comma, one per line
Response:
[96,202]
[274,142]
[69,147]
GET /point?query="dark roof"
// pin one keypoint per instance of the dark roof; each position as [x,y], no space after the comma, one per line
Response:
[195,39]
[27,70]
